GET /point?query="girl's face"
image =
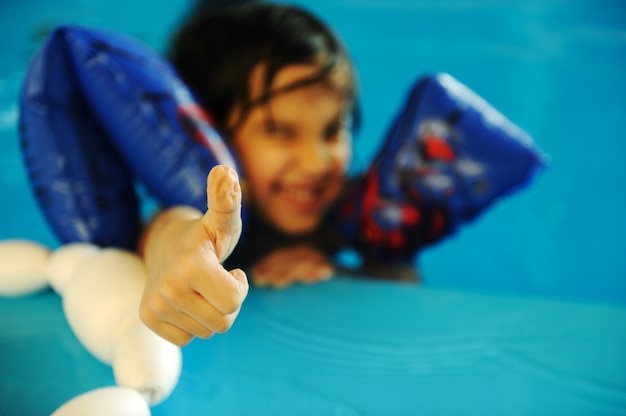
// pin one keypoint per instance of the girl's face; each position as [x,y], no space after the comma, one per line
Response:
[294,150]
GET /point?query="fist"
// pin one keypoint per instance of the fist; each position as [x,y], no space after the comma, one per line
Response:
[189,293]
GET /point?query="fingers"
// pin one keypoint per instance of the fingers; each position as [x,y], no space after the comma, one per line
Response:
[157,317]
[285,267]
[179,317]
[222,221]
[225,291]
[203,320]
[172,333]
[284,276]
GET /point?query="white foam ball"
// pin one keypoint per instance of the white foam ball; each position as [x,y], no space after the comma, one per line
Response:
[146,362]
[64,262]
[22,267]
[106,401]
[102,296]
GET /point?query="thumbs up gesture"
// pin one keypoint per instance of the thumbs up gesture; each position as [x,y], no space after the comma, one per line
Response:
[189,293]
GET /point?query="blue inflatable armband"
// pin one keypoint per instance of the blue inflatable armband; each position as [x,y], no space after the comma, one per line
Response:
[98,109]
[448,156]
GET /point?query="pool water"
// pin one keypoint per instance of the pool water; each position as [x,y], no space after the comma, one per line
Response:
[556,68]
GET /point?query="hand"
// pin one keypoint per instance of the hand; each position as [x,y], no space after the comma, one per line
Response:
[189,293]
[286,266]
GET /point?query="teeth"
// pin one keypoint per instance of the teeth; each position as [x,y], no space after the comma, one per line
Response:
[301,195]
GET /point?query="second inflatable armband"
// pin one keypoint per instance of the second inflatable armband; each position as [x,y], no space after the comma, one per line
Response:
[448,156]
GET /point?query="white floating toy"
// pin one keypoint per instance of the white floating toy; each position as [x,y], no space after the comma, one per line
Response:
[64,261]
[101,297]
[107,401]
[147,363]
[101,290]
[23,266]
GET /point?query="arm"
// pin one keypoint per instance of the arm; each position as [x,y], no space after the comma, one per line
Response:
[189,293]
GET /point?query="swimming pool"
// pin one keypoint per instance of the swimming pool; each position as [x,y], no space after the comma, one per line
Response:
[553,67]
[360,347]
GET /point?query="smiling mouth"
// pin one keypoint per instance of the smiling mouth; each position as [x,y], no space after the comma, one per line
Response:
[303,199]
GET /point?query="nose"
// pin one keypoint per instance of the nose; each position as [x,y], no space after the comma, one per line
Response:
[314,158]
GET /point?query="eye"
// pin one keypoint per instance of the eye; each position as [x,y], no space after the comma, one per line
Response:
[334,131]
[278,131]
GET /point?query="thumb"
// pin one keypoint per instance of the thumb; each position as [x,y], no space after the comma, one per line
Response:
[222,220]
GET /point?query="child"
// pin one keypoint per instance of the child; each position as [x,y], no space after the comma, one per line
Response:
[281,87]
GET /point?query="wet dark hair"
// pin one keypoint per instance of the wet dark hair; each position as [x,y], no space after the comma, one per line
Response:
[216,51]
